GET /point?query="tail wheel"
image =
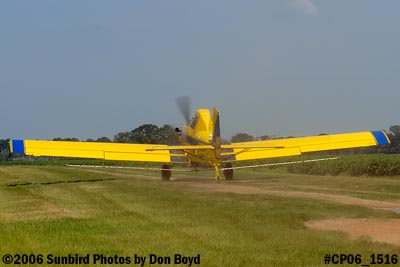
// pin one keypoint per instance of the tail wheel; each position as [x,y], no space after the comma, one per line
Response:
[228,174]
[165,172]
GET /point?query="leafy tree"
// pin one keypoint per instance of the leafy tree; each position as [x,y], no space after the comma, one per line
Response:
[145,134]
[121,137]
[4,149]
[4,144]
[394,132]
[70,139]
[265,137]
[242,137]
[167,135]
[103,139]
[148,134]
[394,135]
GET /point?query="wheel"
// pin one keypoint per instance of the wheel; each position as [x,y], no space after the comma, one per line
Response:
[165,172]
[228,174]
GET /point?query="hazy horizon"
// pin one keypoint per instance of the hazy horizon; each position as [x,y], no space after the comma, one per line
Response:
[89,69]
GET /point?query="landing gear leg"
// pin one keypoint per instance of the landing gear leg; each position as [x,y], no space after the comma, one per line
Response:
[165,172]
[228,174]
[217,174]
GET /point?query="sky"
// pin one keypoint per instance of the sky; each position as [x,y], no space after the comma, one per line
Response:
[94,68]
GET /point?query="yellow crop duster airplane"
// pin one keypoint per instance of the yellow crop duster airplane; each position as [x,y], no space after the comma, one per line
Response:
[201,145]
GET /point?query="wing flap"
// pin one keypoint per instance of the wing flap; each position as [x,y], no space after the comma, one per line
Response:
[258,153]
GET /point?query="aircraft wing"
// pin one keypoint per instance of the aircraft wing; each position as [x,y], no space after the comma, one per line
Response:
[166,154]
[300,145]
[107,151]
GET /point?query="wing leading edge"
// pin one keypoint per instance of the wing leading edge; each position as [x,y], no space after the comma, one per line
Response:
[297,146]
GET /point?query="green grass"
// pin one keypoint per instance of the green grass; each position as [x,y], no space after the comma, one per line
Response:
[58,210]
[354,165]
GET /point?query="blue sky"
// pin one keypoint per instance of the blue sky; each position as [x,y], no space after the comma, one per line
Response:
[93,68]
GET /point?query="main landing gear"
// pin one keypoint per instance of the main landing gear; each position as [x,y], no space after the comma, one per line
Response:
[227,172]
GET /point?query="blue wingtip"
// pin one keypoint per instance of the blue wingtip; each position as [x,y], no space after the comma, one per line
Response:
[381,138]
[18,146]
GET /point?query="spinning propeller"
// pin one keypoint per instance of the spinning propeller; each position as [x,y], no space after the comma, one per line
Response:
[183,104]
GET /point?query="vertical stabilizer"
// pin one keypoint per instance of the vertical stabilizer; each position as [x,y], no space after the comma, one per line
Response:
[216,142]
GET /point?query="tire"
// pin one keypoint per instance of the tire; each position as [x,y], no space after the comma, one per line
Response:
[165,172]
[228,174]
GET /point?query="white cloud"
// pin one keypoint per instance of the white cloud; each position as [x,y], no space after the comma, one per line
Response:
[306,6]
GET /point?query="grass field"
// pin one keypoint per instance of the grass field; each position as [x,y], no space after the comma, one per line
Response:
[255,220]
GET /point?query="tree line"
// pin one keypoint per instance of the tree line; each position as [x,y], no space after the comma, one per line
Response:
[152,134]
